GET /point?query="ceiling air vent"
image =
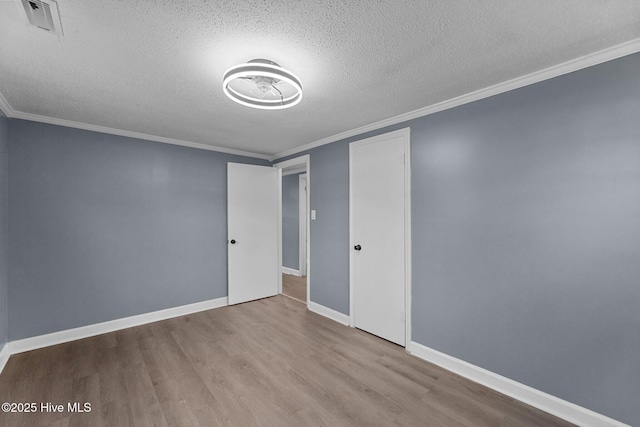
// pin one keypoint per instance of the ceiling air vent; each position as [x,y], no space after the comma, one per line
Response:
[44,15]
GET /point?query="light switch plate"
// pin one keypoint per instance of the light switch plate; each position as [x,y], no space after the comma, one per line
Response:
[313,214]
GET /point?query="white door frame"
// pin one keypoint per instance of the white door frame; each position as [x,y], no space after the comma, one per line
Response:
[303,162]
[406,134]
[302,228]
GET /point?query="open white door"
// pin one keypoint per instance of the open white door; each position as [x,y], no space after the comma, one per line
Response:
[253,231]
[379,214]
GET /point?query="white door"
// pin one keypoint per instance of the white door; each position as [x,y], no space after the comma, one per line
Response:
[379,202]
[253,228]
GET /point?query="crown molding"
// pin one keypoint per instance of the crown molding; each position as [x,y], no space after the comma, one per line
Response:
[11,113]
[5,107]
[609,54]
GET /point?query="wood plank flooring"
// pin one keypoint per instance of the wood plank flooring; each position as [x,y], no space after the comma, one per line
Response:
[263,363]
[295,287]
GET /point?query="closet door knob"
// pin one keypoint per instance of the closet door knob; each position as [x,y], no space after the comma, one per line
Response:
[357,247]
[233,241]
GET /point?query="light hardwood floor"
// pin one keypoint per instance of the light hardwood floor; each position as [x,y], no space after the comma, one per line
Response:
[295,287]
[264,363]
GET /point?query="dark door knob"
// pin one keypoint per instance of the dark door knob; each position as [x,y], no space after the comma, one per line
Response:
[357,247]
[233,241]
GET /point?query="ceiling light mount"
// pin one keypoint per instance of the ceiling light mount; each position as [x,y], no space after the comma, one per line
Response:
[261,83]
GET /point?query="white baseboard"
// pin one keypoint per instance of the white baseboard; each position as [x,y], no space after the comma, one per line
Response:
[536,398]
[4,356]
[287,270]
[60,337]
[327,312]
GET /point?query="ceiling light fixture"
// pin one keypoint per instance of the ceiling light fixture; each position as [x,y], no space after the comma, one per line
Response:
[261,83]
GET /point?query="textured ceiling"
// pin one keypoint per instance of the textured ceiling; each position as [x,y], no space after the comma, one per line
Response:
[155,67]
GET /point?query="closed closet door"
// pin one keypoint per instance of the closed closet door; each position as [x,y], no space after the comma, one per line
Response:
[378,191]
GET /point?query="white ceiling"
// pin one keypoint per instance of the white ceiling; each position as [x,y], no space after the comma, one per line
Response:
[155,67]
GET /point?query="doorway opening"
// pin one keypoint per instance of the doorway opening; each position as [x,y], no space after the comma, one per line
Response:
[294,287]
[294,214]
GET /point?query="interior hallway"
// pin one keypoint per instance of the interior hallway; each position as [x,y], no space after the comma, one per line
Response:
[295,287]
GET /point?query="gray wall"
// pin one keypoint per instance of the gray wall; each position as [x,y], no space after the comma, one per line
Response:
[290,221]
[4,309]
[104,227]
[526,234]
[526,225]
[329,232]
